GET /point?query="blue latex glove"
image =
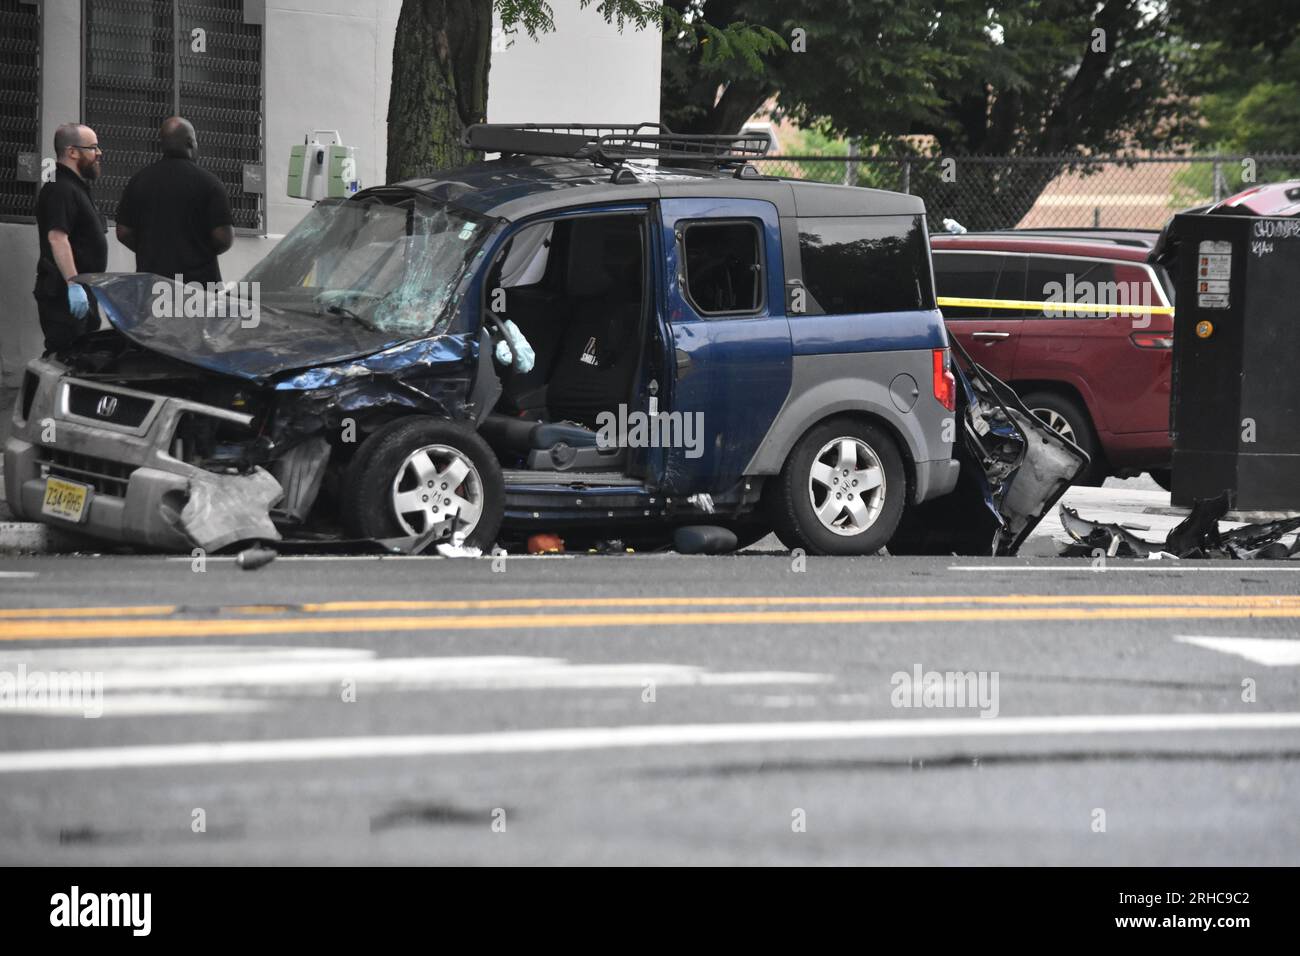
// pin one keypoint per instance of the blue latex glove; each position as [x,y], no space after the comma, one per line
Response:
[78,304]
[515,347]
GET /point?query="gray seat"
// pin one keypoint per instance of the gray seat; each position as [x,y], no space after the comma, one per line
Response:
[550,446]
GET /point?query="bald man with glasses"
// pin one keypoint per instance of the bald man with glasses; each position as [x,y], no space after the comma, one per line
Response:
[73,236]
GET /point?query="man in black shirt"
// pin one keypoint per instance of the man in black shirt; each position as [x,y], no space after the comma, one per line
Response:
[72,236]
[174,215]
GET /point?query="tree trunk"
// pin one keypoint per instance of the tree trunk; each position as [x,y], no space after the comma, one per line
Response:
[441,56]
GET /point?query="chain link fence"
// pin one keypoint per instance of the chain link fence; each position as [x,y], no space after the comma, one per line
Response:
[1003,192]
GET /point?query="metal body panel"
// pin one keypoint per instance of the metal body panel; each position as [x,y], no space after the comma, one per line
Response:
[832,384]
[734,370]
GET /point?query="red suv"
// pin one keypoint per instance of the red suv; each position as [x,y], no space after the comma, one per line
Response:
[1098,372]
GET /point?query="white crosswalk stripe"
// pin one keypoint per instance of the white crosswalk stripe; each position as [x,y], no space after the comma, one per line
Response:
[1269,651]
[151,679]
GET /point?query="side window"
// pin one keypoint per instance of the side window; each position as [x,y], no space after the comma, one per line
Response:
[724,267]
[855,264]
[1070,280]
[965,275]
[526,258]
[1011,285]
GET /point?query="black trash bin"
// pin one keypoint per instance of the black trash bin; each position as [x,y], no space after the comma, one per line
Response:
[1235,413]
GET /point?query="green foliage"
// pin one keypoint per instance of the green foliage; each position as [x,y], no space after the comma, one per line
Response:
[1245,69]
[729,44]
[979,76]
[1262,117]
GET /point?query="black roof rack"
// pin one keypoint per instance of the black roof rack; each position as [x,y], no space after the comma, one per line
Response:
[612,144]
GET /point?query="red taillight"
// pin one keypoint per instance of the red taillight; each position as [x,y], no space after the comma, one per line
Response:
[945,386]
[1153,340]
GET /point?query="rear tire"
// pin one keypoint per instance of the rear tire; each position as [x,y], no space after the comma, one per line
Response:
[841,491]
[387,491]
[1164,477]
[1070,420]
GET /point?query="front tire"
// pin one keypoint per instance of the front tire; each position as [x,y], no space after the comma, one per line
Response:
[841,491]
[410,474]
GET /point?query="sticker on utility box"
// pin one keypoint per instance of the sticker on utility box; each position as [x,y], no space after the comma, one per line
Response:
[1213,270]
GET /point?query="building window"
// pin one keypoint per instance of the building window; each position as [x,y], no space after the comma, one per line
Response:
[149,59]
[20,121]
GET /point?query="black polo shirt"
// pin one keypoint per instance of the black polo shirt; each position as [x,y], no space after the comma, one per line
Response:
[173,206]
[64,203]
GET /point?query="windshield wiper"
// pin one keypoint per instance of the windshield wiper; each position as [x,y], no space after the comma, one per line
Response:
[347,313]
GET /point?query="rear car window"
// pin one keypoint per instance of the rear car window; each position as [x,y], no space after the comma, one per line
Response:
[724,267]
[966,276]
[979,275]
[1071,280]
[854,264]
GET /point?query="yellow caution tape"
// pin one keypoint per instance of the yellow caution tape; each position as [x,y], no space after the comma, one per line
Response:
[1022,304]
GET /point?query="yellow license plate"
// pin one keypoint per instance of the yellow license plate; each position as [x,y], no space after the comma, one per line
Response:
[65,499]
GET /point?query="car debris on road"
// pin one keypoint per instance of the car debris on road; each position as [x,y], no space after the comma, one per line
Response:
[1197,536]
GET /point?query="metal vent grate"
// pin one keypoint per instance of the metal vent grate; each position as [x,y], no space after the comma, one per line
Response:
[20,44]
[221,94]
[141,67]
[106,477]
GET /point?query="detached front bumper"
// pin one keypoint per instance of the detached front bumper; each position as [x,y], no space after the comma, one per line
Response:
[119,442]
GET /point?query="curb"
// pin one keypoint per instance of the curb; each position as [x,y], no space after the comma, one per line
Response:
[30,537]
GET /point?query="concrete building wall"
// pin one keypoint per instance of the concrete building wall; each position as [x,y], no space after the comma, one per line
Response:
[329,65]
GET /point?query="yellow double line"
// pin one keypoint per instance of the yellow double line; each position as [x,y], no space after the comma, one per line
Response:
[341,617]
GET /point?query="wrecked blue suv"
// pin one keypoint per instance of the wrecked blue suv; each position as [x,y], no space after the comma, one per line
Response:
[604,332]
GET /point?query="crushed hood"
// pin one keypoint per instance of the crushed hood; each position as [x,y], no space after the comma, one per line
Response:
[276,341]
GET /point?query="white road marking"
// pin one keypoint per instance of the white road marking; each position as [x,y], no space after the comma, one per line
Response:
[600,738]
[1242,568]
[211,675]
[1269,651]
[230,559]
[18,574]
[143,705]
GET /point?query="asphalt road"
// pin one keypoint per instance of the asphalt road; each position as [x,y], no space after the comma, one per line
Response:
[652,709]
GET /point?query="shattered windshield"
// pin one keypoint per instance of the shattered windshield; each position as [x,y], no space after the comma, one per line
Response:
[389,267]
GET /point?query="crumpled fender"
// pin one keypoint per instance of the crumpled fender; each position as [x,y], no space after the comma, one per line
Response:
[225,509]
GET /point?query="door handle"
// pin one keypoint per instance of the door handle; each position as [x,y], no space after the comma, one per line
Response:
[990,335]
[683,361]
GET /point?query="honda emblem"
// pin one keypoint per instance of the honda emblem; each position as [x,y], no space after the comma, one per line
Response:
[106,407]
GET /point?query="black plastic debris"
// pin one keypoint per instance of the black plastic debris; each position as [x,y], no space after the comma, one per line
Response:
[704,539]
[1196,536]
[1091,537]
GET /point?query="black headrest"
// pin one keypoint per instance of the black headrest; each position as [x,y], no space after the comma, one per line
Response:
[601,250]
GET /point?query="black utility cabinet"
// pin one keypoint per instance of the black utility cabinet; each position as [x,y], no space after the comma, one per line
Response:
[1236,373]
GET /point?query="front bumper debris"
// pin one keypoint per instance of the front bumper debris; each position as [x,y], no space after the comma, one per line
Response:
[1196,536]
[138,488]
[222,510]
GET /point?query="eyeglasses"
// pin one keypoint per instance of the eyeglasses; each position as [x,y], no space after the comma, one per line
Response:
[94,146]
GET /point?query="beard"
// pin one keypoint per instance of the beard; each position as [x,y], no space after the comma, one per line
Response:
[89,171]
